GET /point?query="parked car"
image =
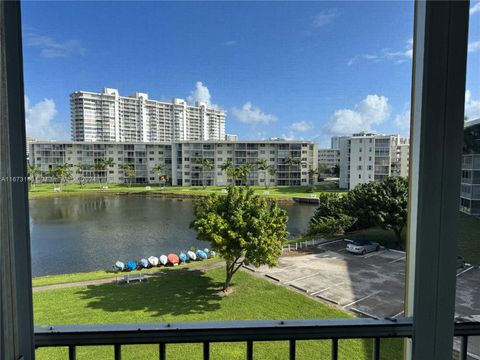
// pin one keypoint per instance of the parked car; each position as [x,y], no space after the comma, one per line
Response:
[361,246]
[460,262]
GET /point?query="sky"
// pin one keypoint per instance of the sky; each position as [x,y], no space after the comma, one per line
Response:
[295,70]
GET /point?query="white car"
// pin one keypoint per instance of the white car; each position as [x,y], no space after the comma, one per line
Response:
[361,246]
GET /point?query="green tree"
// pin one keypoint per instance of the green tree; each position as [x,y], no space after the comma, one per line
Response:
[159,169]
[242,172]
[268,170]
[64,173]
[242,227]
[362,204]
[207,166]
[34,173]
[392,202]
[228,168]
[312,173]
[336,171]
[128,172]
[292,163]
[331,225]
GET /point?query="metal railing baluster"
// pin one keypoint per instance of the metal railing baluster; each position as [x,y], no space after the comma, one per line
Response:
[162,351]
[206,350]
[463,347]
[335,349]
[249,350]
[118,351]
[376,349]
[72,352]
[293,346]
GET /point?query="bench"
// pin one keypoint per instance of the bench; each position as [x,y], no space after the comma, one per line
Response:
[134,278]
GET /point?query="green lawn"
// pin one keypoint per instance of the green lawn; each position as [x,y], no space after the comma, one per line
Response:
[101,274]
[193,296]
[45,190]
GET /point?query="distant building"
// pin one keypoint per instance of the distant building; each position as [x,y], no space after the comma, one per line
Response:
[329,158]
[231,137]
[335,142]
[470,177]
[180,161]
[107,116]
[366,157]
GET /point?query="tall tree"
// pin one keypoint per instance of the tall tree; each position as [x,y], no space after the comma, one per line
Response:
[64,173]
[242,227]
[128,172]
[207,166]
[159,169]
[392,202]
[312,173]
[34,173]
[268,170]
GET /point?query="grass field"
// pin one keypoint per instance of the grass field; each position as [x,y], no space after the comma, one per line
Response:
[101,274]
[194,296]
[46,190]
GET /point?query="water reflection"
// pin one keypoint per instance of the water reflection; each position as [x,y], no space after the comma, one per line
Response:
[74,234]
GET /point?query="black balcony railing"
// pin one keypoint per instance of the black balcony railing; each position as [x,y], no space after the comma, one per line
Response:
[116,335]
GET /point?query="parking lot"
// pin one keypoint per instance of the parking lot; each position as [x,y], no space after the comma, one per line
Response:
[370,284]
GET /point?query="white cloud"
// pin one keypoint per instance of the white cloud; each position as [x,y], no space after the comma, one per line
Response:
[230,43]
[372,110]
[475,8]
[324,18]
[402,121]
[386,54]
[39,120]
[201,94]
[472,106]
[474,46]
[301,126]
[250,114]
[50,47]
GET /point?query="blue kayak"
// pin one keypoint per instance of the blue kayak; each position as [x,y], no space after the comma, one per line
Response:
[144,263]
[131,265]
[183,257]
[201,254]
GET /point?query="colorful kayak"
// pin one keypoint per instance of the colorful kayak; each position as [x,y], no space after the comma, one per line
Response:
[201,255]
[131,265]
[191,255]
[173,259]
[183,257]
[153,260]
[163,259]
[212,254]
[144,263]
[119,266]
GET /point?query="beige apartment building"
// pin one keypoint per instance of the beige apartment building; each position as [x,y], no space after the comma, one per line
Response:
[180,161]
[366,157]
[107,116]
[329,158]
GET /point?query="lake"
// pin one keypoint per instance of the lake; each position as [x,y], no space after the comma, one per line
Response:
[86,233]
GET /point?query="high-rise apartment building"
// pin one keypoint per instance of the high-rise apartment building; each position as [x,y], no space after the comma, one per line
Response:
[366,157]
[107,116]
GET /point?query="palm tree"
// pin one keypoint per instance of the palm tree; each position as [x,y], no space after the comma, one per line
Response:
[105,164]
[272,171]
[159,169]
[228,169]
[33,173]
[311,175]
[243,171]
[207,165]
[128,171]
[291,162]
[64,172]
[262,165]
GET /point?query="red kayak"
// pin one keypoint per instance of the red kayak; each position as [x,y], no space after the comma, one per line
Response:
[173,259]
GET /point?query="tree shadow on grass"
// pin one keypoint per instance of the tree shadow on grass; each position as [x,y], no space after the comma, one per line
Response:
[173,292]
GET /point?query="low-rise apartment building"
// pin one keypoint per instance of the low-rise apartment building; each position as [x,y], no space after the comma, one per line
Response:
[328,159]
[291,161]
[366,157]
